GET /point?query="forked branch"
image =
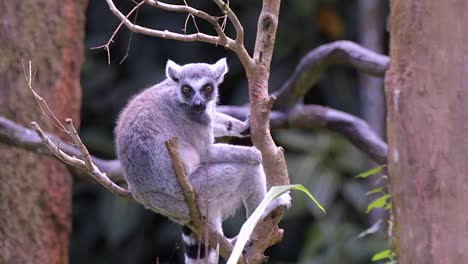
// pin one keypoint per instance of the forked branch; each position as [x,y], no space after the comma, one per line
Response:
[106,46]
[233,17]
[85,163]
[220,38]
[16,135]
[195,12]
[217,40]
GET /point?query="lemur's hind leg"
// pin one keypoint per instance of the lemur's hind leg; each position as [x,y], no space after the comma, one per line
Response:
[224,187]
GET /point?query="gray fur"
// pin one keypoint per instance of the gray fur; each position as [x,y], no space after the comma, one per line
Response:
[224,176]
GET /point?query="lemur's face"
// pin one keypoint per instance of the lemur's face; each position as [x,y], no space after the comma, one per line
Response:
[197,93]
[197,82]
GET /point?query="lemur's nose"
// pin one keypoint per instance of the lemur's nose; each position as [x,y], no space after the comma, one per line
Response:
[198,105]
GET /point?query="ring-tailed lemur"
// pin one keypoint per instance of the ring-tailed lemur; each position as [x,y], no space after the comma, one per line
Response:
[224,176]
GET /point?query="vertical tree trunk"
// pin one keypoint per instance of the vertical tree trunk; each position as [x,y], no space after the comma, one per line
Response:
[427,99]
[370,36]
[35,191]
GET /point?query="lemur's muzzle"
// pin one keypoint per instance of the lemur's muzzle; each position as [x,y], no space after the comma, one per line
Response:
[198,106]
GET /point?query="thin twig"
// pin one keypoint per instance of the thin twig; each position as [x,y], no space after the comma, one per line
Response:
[189,15]
[190,10]
[130,39]
[111,39]
[86,164]
[220,39]
[79,144]
[234,19]
[40,101]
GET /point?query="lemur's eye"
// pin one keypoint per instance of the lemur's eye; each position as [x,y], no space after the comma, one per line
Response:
[186,89]
[208,88]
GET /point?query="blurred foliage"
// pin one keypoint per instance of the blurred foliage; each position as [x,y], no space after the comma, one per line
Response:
[109,230]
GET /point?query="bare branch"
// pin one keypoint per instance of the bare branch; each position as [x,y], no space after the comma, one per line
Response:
[172,146]
[216,40]
[192,11]
[233,17]
[264,236]
[220,39]
[40,101]
[356,130]
[79,144]
[111,39]
[87,165]
[16,135]
[309,69]
[129,40]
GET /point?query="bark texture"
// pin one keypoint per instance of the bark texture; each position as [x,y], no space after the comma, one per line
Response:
[35,191]
[427,99]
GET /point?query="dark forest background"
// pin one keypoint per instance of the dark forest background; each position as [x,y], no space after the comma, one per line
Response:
[107,229]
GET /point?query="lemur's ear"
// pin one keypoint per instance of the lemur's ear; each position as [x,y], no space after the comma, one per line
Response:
[219,69]
[173,70]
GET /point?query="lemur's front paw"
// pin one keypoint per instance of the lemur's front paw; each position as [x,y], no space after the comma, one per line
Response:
[283,200]
[245,131]
[255,157]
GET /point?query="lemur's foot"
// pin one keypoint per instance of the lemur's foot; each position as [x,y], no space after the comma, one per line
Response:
[283,200]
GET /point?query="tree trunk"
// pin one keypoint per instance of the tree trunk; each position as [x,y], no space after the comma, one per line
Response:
[371,92]
[427,99]
[35,191]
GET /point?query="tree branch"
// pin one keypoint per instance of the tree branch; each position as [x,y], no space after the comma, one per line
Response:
[16,135]
[355,129]
[309,69]
[236,46]
[198,13]
[86,165]
[216,40]
[233,17]
[106,46]
[198,225]
[172,146]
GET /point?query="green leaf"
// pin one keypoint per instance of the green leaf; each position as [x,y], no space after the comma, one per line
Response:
[388,206]
[370,172]
[378,203]
[376,190]
[384,254]
[249,225]
[299,187]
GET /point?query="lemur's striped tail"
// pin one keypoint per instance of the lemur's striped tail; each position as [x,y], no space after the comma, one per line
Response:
[195,251]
